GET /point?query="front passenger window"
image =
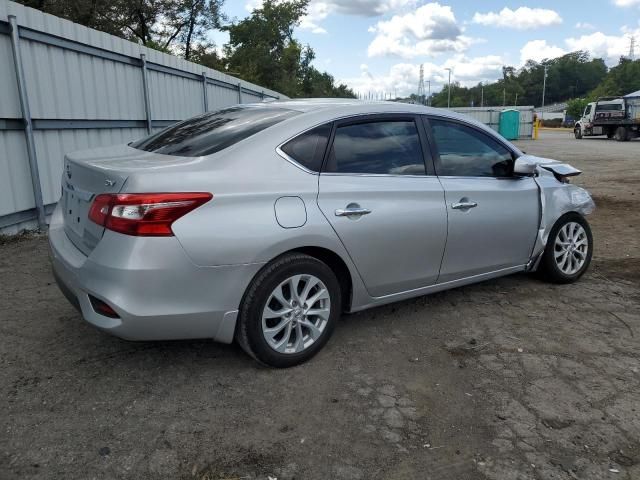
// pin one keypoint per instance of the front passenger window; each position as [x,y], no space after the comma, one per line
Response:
[467,152]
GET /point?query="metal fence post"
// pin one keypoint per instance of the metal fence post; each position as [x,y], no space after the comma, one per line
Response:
[145,87]
[204,92]
[28,125]
[239,92]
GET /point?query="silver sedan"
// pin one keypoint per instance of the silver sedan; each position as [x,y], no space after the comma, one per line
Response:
[263,223]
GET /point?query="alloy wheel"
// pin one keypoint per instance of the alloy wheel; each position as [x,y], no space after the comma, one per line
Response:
[571,248]
[296,314]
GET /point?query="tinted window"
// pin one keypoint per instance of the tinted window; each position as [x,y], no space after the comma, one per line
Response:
[465,151]
[387,147]
[308,148]
[213,131]
[608,107]
[587,111]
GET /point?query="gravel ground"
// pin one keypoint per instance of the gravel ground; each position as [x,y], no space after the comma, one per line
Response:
[508,379]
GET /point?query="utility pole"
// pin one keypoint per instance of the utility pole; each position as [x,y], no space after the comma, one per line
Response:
[516,104]
[544,85]
[429,97]
[449,90]
[504,97]
[632,49]
[481,94]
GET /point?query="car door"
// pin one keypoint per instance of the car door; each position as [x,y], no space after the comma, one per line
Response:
[378,192]
[493,215]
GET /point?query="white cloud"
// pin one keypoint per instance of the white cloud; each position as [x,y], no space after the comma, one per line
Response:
[470,71]
[427,31]
[402,78]
[316,13]
[368,8]
[626,3]
[538,50]
[585,26]
[598,44]
[522,18]
[319,10]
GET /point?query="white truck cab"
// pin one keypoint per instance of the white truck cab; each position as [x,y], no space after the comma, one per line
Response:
[613,117]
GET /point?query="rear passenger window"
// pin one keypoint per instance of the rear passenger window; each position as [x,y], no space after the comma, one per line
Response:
[378,147]
[308,148]
[467,152]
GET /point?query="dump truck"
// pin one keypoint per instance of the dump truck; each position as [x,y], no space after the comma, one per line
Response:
[615,117]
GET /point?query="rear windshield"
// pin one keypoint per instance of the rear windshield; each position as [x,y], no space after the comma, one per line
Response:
[608,107]
[213,131]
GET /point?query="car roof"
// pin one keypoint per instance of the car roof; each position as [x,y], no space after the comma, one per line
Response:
[314,104]
[352,106]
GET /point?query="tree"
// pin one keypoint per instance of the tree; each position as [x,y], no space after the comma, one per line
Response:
[187,23]
[621,80]
[261,47]
[131,19]
[207,54]
[576,106]
[262,50]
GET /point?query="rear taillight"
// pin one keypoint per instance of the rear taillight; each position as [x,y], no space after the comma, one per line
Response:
[144,214]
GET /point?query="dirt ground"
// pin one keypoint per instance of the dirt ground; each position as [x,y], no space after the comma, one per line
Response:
[508,379]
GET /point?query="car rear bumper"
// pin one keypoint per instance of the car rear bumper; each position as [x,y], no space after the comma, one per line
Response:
[157,292]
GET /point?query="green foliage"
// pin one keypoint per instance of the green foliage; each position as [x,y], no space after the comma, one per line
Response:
[187,22]
[571,75]
[262,50]
[621,80]
[576,106]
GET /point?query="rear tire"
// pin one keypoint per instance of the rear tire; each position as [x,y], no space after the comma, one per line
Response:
[569,250]
[274,323]
[622,135]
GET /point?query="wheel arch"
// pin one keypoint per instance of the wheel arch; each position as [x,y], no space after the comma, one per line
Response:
[537,257]
[339,268]
[330,258]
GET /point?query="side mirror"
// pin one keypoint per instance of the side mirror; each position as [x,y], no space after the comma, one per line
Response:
[524,166]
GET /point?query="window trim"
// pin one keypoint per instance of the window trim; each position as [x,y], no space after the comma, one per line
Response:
[436,154]
[382,117]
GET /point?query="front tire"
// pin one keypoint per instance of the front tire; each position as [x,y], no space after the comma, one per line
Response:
[289,311]
[569,250]
[577,132]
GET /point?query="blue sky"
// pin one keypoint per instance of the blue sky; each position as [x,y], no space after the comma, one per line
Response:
[378,45]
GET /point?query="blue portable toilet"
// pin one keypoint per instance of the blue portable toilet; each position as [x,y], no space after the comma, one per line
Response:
[510,124]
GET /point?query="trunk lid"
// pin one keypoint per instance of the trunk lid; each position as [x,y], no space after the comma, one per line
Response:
[101,170]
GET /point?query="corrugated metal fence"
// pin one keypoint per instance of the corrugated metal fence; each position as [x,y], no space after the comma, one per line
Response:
[65,87]
[490,116]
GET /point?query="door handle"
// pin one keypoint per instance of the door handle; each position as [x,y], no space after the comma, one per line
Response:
[352,212]
[464,205]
